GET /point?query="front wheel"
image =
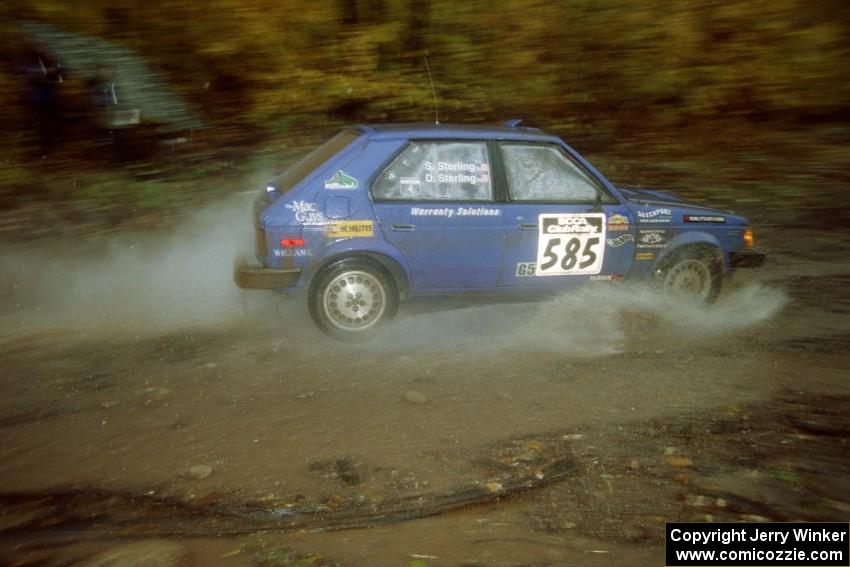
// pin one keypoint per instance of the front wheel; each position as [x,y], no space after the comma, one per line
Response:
[695,274]
[351,298]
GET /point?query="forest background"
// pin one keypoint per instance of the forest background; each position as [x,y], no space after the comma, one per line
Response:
[748,100]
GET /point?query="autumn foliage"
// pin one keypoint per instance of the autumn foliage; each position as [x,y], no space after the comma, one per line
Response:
[263,62]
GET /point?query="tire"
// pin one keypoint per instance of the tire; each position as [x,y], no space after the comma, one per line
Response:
[695,274]
[352,298]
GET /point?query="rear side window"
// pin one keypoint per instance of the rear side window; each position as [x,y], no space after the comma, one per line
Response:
[437,171]
[537,172]
[305,166]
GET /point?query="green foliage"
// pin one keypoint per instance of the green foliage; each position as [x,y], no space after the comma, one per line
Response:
[114,189]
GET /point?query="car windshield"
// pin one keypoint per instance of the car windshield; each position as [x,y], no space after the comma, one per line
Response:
[303,167]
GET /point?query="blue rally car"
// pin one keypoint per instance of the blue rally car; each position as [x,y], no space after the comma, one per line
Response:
[381,213]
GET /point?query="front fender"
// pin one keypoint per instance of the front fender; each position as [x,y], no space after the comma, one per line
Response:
[687,239]
[641,270]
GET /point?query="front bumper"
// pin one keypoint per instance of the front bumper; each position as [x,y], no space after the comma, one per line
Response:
[258,277]
[746,259]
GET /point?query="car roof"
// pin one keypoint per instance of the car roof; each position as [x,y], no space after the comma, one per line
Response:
[454,131]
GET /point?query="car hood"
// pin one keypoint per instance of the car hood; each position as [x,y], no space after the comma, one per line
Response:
[652,197]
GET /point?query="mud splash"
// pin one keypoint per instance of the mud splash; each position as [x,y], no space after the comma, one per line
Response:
[136,282]
[591,321]
[157,283]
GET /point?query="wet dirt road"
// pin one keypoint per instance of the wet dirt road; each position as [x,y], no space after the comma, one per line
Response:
[559,433]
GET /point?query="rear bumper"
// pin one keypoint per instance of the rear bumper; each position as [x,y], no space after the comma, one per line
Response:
[258,277]
[746,259]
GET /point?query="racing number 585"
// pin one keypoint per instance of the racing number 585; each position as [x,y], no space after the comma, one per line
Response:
[570,251]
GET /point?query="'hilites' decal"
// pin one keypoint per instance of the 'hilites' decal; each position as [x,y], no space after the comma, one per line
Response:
[570,244]
[348,228]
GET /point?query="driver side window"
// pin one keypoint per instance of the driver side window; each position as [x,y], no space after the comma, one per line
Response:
[537,172]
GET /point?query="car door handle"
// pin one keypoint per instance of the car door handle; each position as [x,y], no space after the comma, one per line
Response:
[528,225]
[402,227]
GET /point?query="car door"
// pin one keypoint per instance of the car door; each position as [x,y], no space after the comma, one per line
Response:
[562,225]
[434,203]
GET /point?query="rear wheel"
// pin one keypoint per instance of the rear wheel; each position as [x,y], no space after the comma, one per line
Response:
[692,273]
[352,298]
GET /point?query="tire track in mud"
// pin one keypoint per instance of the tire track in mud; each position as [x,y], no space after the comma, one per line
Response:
[720,465]
[509,469]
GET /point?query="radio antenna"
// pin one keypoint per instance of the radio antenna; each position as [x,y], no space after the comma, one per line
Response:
[433,92]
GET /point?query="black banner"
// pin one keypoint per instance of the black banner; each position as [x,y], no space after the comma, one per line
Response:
[758,544]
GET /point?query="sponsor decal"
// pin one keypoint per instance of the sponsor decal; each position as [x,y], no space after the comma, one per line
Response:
[451,212]
[348,228]
[524,269]
[617,223]
[620,240]
[478,212]
[341,180]
[655,216]
[569,224]
[652,238]
[307,213]
[644,256]
[606,278]
[570,244]
[704,218]
[654,213]
[292,252]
